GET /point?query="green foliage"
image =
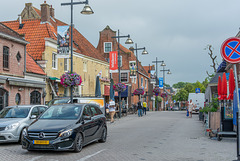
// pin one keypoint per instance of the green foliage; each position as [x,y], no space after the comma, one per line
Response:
[189,88]
[166,85]
[179,85]
[157,99]
[213,106]
[182,95]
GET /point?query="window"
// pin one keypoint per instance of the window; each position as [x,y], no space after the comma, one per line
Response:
[54,60]
[65,64]
[124,77]
[18,99]
[145,83]
[42,109]
[86,111]
[35,97]
[18,56]
[85,66]
[94,112]
[141,82]
[34,111]
[107,47]
[5,57]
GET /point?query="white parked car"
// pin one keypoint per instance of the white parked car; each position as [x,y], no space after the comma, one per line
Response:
[14,119]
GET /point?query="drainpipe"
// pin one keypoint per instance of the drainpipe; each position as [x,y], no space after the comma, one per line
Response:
[25,60]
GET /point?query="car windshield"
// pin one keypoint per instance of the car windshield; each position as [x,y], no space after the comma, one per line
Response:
[58,101]
[62,112]
[14,112]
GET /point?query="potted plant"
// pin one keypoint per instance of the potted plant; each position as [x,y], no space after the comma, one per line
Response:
[69,79]
[156,91]
[139,91]
[119,87]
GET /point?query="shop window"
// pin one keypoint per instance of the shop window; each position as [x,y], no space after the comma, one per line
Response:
[3,98]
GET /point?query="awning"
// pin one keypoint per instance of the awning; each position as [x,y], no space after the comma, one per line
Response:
[106,90]
[123,94]
[222,66]
[54,78]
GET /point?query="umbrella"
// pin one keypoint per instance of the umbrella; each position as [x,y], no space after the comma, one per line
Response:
[224,87]
[98,88]
[231,85]
[111,90]
[219,88]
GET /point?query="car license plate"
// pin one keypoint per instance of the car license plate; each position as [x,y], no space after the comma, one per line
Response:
[42,142]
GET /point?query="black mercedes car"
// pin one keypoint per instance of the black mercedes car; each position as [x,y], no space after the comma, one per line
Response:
[66,127]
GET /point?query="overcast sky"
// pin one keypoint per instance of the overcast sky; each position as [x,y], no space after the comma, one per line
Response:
[176,31]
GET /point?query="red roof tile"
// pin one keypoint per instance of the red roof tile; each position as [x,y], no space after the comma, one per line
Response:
[32,66]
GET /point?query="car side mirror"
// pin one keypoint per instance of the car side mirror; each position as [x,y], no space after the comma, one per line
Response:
[33,117]
[86,117]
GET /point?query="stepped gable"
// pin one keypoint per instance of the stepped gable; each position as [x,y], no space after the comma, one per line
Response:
[132,57]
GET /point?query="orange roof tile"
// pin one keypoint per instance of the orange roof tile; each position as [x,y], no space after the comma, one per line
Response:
[32,66]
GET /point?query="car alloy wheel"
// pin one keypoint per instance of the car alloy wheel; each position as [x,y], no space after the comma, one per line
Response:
[78,142]
[104,135]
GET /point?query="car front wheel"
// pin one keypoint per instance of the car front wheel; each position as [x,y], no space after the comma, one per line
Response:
[78,143]
[104,135]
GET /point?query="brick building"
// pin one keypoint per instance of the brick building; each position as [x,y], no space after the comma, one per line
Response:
[105,45]
[21,78]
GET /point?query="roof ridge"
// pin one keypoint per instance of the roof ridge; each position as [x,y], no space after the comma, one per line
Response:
[10,29]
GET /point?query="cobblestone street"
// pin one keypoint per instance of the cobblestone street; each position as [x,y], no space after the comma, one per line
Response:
[158,136]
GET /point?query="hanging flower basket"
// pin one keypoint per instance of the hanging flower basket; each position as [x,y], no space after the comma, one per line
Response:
[163,95]
[139,91]
[156,91]
[69,79]
[119,87]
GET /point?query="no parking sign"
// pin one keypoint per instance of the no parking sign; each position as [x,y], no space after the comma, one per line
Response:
[230,50]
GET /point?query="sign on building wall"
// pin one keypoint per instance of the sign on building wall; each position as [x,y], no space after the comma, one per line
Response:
[153,76]
[133,69]
[113,56]
[160,82]
[63,35]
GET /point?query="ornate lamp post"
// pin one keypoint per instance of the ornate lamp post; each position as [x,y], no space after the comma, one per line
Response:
[157,83]
[128,41]
[168,72]
[87,11]
[143,53]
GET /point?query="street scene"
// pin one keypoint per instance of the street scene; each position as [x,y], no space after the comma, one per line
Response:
[84,80]
[177,138]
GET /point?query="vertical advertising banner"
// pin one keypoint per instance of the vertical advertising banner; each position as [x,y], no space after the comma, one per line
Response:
[133,69]
[113,56]
[63,35]
[153,76]
[160,82]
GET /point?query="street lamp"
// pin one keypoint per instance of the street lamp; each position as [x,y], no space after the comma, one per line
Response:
[157,83]
[128,41]
[168,72]
[143,53]
[87,11]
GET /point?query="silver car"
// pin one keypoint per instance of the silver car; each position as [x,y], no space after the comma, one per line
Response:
[14,119]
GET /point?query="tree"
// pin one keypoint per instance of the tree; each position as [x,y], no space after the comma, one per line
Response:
[182,95]
[166,85]
[189,88]
[213,58]
[180,85]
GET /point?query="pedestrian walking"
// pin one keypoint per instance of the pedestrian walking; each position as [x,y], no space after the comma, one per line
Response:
[144,107]
[190,108]
[139,108]
[112,109]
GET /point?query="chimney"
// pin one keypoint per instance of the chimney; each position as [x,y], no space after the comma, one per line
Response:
[45,12]
[52,12]
[20,21]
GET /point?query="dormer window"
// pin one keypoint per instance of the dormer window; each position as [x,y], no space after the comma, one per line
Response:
[18,56]
[107,47]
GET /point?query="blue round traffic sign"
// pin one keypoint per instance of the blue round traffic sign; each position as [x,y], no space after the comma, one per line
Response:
[230,50]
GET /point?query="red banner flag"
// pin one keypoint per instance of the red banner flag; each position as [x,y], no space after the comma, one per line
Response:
[113,56]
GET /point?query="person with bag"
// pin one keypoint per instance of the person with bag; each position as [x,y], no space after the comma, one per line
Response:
[112,109]
[144,107]
[190,108]
[139,108]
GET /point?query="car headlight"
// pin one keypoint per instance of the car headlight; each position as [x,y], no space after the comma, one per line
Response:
[24,132]
[66,133]
[12,126]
